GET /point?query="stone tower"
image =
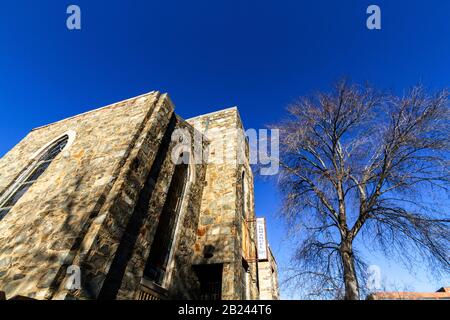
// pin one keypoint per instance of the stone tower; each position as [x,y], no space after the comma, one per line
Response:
[124,202]
[226,224]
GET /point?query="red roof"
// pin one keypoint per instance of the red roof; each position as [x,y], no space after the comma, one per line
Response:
[442,293]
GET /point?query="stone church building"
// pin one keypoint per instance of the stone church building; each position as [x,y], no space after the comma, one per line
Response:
[95,207]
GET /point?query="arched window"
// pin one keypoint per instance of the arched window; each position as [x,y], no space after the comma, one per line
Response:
[30,175]
[158,260]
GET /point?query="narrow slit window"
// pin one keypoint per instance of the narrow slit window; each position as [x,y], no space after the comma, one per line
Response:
[158,259]
[244,195]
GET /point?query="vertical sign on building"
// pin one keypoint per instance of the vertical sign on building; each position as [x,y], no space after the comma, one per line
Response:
[261,238]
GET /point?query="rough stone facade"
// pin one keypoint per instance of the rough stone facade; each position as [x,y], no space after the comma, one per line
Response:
[97,206]
[268,278]
[222,220]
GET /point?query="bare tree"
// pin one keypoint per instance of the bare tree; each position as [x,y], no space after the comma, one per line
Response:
[363,168]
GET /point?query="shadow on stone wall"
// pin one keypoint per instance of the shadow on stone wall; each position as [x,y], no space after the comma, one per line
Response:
[124,252]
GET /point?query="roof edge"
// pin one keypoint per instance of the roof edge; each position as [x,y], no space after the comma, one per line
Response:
[214,112]
[96,109]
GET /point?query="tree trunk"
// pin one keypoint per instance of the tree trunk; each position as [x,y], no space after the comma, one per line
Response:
[348,264]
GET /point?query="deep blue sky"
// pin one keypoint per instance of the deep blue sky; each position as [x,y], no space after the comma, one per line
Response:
[258,55]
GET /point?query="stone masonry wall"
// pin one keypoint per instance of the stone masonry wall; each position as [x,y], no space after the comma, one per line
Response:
[103,238]
[183,282]
[268,278]
[248,222]
[98,204]
[221,219]
[76,212]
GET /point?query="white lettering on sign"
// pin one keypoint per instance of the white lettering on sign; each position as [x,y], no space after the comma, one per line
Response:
[261,238]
